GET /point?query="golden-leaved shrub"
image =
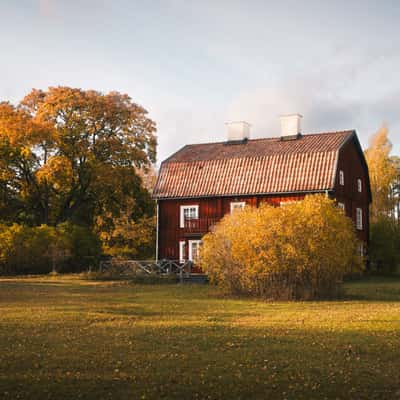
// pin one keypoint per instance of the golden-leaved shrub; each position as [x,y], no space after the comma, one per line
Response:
[299,251]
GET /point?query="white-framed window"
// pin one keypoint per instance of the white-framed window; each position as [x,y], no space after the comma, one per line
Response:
[359,218]
[341,206]
[182,251]
[341,178]
[359,185]
[237,205]
[194,250]
[361,249]
[288,202]
[188,212]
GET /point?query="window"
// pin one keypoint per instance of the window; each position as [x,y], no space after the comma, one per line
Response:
[194,250]
[288,202]
[237,205]
[359,217]
[182,251]
[361,249]
[188,212]
[341,178]
[359,185]
[341,206]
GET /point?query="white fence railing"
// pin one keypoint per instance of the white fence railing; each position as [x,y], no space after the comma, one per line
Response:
[150,267]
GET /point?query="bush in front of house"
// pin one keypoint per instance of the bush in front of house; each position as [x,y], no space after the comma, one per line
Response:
[302,250]
[42,249]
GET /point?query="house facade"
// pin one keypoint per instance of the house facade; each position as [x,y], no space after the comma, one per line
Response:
[201,183]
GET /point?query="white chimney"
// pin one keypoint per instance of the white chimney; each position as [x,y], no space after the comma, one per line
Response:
[237,131]
[291,125]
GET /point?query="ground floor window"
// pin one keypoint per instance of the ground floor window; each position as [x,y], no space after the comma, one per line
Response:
[359,219]
[341,206]
[288,202]
[194,250]
[237,205]
[361,249]
[182,251]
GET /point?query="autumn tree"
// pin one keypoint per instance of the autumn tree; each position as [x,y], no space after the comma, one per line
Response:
[127,236]
[20,189]
[67,153]
[299,251]
[382,173]
[395,189]
[70,155]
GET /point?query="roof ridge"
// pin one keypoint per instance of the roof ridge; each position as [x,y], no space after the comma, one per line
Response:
[274,137]
[254,157]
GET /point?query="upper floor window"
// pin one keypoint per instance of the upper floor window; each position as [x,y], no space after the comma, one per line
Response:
[237,205]
[341,177]
[359,185]
[187,213]
[359,218]
[341,206]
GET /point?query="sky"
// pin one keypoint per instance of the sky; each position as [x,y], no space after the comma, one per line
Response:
[196,64]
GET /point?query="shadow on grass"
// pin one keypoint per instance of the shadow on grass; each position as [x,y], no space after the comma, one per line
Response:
[82,341]
[204,362]
[373,288]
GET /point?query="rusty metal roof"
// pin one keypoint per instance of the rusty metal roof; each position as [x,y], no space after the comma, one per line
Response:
[258,166]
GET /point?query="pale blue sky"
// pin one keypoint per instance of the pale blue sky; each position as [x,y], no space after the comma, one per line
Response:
[196,64]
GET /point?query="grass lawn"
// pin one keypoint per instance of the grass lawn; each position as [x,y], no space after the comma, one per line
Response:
[66,338]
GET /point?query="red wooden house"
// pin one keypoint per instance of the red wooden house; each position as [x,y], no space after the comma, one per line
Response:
[201,183]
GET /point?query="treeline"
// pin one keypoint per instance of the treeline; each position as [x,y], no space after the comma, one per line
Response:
[43,249]
[75,178]
[384,172]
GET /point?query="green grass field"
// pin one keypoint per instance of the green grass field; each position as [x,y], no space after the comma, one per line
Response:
[66,338]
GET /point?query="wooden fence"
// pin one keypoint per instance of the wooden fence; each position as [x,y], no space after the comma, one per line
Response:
[148,267]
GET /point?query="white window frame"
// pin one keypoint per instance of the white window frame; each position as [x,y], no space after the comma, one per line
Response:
[342,206]
[237,205]
[182,245]
[361,249]
[190,248]
[359,218]
[182,213]
[341,177]
[288,202]
[359,185]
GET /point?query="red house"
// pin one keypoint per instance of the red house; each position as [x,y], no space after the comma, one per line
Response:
[201,183]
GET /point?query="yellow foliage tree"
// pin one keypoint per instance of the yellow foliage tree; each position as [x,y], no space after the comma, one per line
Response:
[58,147]
[382,173]
[300,251]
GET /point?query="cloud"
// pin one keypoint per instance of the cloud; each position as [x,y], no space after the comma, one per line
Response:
[334,97]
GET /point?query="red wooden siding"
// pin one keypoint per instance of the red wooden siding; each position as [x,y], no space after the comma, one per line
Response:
[353,168]
[211,209]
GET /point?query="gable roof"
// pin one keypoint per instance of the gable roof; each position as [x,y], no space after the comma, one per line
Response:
[259,166]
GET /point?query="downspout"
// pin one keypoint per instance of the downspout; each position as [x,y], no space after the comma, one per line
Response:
[157,226]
